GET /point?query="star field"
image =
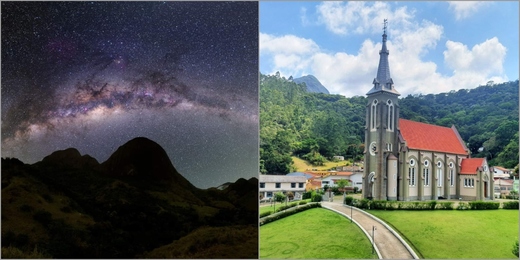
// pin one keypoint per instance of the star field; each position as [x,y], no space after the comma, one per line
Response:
[93,75]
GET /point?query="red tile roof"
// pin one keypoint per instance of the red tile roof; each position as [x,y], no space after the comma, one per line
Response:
[470,165]
[422,136]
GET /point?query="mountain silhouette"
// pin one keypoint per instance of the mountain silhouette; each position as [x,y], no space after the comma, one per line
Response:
[143,158]
[70,206]
[70,158]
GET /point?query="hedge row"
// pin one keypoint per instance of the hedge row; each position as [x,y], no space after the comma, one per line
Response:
[425,205]
[510,205]
[284,214]
[284,207]
[265,214]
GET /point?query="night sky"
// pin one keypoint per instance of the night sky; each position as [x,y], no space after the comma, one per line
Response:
[94,75]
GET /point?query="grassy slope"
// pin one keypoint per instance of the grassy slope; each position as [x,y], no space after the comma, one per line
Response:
[314,233]
[212,242]
[457,234]
[302,165]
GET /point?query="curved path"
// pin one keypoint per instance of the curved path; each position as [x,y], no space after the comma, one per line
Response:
[388,242]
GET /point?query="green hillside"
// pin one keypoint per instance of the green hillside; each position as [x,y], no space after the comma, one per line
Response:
[317,126]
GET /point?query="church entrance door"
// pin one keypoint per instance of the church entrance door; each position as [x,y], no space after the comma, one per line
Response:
[485,189]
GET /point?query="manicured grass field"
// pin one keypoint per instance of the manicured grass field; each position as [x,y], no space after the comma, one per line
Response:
[314,233]
[456,233]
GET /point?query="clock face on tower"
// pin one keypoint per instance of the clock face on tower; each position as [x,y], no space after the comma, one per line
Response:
[373,148]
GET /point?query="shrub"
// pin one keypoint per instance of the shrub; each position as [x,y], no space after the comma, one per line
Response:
[265,214]
[432,204]
[356,189]
[349,200]
[463,206]
[515,249]
[445,205]
[363,204]
[293,204]
[480,205]
[510,205]
[303,202]
[316,197]
[307,195]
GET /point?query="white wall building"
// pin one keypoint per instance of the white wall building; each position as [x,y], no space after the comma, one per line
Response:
[270,184]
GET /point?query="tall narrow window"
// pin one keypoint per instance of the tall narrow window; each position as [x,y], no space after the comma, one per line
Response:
[439,174]
[390,122]
[411,175]
[373,117]
[439,177]
[426,176]
[451,177]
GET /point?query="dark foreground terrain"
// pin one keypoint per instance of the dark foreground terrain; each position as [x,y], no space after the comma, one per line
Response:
[134,205]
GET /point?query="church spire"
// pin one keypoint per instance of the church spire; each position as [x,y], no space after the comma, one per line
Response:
[383,81]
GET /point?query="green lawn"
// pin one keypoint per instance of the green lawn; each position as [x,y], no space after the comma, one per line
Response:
[314,233]
[457,233]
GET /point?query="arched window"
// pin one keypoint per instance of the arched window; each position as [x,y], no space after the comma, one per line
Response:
[411,173]
[373,112]
[391,113]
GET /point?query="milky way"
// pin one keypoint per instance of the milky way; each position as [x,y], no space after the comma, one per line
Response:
[93,75]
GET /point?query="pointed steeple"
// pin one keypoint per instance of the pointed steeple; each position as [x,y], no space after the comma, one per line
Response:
[383,81]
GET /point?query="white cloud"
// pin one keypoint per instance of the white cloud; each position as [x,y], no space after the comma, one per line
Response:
[464,9]
[359,17]
[351,74]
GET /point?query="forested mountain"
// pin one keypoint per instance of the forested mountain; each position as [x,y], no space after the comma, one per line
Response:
[316,126]
[313,84]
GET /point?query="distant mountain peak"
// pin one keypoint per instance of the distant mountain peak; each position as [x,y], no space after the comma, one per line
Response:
[143,158]
[312,83]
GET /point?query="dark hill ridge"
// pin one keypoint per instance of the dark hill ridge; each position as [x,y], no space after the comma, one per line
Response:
[70,158]
[130,204]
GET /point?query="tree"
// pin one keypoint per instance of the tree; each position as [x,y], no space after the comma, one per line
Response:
[279,197]
[341,185]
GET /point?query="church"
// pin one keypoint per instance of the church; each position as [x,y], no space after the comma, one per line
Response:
[407,160]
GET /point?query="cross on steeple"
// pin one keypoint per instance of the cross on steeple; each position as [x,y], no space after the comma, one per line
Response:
[383,81]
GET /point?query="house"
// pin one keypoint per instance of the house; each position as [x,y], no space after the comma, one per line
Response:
[503,187]
[304,174]
[313,183]
[357,179]
[500,172]
[407,160]
[331,179]
[270,184]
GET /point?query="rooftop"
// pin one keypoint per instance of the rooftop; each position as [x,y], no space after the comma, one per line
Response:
[427,137]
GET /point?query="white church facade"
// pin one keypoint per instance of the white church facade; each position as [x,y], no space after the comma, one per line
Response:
[407,160]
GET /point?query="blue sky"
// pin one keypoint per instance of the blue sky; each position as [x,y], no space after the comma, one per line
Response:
[434,47]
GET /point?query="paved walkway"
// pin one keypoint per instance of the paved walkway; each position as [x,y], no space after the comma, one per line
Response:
[388,243]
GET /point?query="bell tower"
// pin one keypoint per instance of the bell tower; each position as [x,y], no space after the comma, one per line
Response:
[381,133]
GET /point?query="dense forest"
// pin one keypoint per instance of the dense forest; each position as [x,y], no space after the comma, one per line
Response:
[317,126]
